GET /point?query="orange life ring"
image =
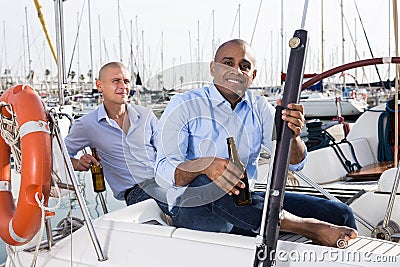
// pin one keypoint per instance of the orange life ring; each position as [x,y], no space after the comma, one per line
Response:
[19,224]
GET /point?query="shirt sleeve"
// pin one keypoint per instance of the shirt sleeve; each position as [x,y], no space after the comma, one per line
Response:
[172,134]
[299,166]
[153,127]
[268,122]
[76,138]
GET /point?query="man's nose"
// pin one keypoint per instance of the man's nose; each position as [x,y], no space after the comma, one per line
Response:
[122,84]
[237,69]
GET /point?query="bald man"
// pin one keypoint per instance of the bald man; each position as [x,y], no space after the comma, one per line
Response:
[192,158]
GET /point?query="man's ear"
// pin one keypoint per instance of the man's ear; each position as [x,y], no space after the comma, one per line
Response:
[254,74]
[212,68]
[99,85]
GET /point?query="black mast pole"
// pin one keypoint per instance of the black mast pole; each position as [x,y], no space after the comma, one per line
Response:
[265,252]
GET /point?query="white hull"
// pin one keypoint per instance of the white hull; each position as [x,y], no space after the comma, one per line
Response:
[126,242]
[326,107]
[138,235]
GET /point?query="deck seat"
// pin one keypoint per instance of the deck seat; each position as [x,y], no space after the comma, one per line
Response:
[324,166]
[146,211]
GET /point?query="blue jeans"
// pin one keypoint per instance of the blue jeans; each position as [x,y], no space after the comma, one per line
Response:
[221,215]
[146,191]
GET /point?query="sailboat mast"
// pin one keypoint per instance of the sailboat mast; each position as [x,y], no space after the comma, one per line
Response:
[7,70]
[389,38]
[355,49]
[91,47]
[341,12]
[78,63]
[282,50]
[239,20]
[322,37]
[101,57]
[62,79]
[132,65]
[143,64]
[119,34]
[24,46]
[29,50]
[213,33]
[162,52]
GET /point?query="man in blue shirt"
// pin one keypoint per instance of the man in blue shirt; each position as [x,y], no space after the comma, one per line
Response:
[192,156]
[125,137]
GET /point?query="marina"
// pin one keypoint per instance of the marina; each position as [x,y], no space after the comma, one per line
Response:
[79,227]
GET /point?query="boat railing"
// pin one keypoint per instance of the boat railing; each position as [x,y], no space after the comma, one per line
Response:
[72,178]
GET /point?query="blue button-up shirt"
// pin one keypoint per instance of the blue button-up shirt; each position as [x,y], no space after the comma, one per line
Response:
[127,159]
[196,124]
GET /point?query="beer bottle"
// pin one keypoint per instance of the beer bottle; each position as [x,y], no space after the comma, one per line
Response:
[244,196]
[97,174]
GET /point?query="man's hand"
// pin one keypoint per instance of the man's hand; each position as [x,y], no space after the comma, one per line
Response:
[226,175]
[84,163]
[294,115]
[221,171]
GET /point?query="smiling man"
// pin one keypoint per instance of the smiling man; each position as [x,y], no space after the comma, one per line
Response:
[192,156]
[125,137]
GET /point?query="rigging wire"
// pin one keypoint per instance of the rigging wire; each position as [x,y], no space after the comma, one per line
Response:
[255,23]
[356,51]
[303,19]
[369,45]
[234,22]
[76,40]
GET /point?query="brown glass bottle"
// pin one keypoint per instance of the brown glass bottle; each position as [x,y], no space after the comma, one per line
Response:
[97,174]
[244,196]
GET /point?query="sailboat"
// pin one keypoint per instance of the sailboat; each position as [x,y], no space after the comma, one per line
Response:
[318,102]
[140,235]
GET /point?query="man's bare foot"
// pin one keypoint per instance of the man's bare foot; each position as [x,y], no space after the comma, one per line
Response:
[326,234]
[321,233]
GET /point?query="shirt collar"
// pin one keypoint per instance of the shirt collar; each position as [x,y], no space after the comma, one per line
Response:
[132,113]
[101,113]
[217,97]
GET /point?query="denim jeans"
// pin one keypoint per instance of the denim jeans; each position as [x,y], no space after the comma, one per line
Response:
[145,191]
[221,215]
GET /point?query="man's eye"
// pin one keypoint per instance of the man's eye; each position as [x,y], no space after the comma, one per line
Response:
[228,63]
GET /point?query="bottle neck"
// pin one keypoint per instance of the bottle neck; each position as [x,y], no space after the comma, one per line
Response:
[94,153]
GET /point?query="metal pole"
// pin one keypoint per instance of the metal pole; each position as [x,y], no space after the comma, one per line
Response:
[81,201]
[391,200]
[103,202]
[322,190]
[58,4]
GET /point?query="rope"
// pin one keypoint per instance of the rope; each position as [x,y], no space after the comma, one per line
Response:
[347,164]
[10,133]
[11,255]
[43,216]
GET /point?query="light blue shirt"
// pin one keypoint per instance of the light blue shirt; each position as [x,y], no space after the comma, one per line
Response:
[127,159]
[196,124]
